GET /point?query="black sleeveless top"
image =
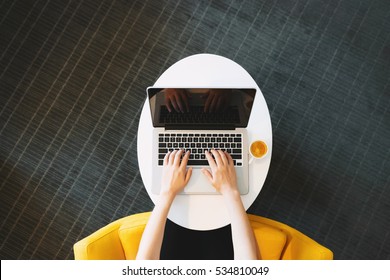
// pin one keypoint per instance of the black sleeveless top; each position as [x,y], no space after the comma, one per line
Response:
[180,243]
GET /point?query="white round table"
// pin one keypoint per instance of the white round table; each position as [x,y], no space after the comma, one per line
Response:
[207,212]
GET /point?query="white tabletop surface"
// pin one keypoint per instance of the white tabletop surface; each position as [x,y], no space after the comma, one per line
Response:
[206,212]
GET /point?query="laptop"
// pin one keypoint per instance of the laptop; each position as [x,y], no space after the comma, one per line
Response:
[199,119]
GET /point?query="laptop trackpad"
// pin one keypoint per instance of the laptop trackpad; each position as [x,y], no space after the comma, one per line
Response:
[199,184]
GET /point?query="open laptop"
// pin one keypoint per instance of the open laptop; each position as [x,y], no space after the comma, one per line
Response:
[199,119]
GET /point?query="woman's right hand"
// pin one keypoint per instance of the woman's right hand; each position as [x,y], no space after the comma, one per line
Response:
[222,174]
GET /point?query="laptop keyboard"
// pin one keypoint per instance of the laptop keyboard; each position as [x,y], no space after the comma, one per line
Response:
[198,143]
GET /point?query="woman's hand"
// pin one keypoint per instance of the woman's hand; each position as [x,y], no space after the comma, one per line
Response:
[222,175]
[175,174]
[216,100]
[176,100]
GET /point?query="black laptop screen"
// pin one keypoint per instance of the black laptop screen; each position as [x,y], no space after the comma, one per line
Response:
[200,107]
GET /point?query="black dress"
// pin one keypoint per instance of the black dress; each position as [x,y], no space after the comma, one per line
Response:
[180,243]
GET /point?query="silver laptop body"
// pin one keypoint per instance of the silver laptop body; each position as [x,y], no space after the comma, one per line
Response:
[199,119]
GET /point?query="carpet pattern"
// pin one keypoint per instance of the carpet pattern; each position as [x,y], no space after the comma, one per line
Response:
[72,85]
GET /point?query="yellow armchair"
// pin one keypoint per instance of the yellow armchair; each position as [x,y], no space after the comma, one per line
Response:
[120,239]
[297,246]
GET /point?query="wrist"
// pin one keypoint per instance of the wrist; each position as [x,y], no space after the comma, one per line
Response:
[233,202]
[167,196]
[231,193]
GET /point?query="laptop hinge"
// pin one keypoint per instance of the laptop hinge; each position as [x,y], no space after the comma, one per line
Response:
[199,127]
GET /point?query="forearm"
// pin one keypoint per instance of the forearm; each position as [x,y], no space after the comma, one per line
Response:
[152,237]
[244,243]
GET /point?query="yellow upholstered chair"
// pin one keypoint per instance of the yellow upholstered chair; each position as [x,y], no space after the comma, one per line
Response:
[120,239]
[297,246]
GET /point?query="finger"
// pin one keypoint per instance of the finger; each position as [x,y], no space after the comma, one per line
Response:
[207,103]
[223,157]
[210,99]
[180,102]
[172,157]
[174,103]
[229,158]
[166,158]
[188,175]
[214,103]
[217,157]
[184,161]
[178,157]
[210,160]
[168,104]
[208,174]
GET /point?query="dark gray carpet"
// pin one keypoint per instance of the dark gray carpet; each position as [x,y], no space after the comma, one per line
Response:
[72,80]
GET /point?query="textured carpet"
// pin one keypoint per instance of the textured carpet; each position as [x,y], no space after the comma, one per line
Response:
[72,84]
